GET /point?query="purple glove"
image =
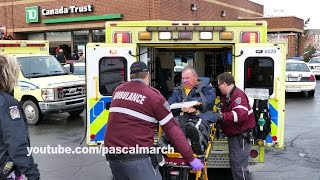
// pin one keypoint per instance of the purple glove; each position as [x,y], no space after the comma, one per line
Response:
[196,164]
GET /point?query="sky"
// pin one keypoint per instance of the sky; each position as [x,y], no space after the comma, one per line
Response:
[303,9]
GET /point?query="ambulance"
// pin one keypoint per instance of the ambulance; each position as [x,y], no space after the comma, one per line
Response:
[211,47]
[43,86]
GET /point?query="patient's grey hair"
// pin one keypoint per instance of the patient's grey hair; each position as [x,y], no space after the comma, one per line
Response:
[9,71]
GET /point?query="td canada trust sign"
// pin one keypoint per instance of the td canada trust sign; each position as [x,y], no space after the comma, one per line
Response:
[33,13]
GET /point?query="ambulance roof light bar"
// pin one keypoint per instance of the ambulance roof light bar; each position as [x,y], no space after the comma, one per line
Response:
[22,45]
[185,28]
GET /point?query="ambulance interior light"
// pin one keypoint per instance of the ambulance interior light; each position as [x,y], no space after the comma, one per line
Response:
[165,35]
[256,93]
[206,35]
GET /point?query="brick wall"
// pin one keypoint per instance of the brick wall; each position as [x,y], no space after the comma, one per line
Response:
[284,22]
[207,10]
[14,12]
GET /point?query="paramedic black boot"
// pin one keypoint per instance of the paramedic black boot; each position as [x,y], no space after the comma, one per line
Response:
[195,136]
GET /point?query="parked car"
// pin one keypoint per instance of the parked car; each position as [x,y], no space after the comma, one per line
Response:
[298,58]
[76,68]
[299,78]
[314,65]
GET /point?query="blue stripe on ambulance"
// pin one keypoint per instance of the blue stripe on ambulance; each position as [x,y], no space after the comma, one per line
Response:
[98,108]
[274,119]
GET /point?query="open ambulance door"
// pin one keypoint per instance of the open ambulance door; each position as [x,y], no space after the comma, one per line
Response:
[259,68]
[107,65]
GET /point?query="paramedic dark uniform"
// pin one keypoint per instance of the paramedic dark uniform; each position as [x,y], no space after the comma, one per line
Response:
[135,112]
[15,137]
[238,119]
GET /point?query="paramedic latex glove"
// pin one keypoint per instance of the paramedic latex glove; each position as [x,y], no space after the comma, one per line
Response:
[196,164]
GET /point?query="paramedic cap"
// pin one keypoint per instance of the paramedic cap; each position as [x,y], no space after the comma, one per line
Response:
[137,67]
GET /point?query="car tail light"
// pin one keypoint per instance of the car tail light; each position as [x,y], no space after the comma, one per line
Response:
[312,78]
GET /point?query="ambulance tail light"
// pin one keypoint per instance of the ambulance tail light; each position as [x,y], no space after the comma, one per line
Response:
[249,37]
[274,138]
[254,153]
[312,78]
[92,136]
[122,37]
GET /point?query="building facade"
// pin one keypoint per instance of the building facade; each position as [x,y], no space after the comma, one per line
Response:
[313,38]
[71,24]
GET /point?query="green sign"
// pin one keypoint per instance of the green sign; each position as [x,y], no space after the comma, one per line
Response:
[32,14]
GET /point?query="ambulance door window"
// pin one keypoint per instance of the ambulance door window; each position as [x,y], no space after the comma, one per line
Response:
[259,73]
[112,71]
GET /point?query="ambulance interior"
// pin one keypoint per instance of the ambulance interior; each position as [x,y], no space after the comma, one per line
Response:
[165,65]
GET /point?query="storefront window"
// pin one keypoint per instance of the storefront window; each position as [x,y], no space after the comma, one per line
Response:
[81,37]
[36,36]
[58,36]
[98,36]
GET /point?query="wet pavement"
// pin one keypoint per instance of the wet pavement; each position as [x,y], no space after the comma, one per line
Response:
[300,159]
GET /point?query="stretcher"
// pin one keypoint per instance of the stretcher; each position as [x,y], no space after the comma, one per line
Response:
[176,168]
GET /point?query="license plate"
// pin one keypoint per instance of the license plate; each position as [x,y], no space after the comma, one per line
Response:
[293,89]
[292,79]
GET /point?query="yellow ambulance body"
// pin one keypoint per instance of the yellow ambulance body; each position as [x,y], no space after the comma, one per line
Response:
[211,47]
[43,86]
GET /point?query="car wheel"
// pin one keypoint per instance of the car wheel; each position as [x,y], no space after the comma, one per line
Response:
[76,112]
[32,112]
[311,93]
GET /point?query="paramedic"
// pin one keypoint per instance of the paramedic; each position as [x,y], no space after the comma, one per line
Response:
[135,112]
[14,135]
[236,121]
[193,90]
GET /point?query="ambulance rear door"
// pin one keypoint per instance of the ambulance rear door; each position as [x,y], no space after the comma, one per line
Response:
[107,65]
[262,66]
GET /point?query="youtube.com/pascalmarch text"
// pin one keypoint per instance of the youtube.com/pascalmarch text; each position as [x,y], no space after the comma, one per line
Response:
[98,150]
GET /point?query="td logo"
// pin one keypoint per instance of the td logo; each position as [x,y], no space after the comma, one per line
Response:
[32,14]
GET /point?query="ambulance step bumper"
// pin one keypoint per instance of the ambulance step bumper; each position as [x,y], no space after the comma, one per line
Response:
[62,106]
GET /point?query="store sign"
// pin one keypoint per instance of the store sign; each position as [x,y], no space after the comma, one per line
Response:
[32,14]
[67,10]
